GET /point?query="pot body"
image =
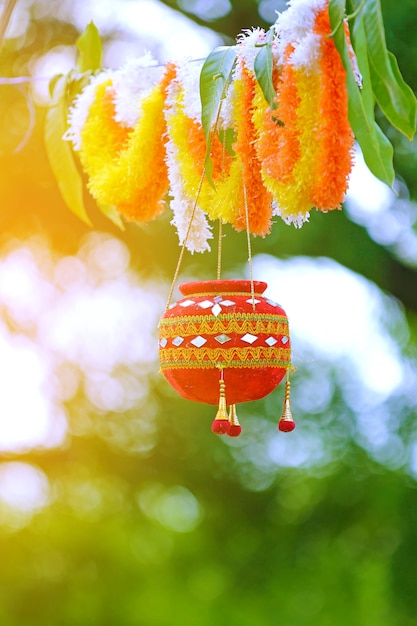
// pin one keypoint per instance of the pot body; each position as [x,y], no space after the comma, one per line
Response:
[219,326]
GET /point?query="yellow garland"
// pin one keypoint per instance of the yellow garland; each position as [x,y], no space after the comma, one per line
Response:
[101,137]
[260,109]
[228,199]
[295,197]
[126,168]
[228,195]
[255,208]
[188,138]
[183,133]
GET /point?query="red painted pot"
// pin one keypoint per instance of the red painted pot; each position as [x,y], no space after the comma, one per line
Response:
[221,328]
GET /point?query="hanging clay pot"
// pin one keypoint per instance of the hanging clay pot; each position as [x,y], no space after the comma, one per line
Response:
[224,338]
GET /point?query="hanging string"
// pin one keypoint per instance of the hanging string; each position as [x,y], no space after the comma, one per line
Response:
[252,286]
[220,242]
[219,250]
[184,245]
[187,234]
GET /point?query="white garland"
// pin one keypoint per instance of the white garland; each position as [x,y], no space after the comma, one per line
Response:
[295,27]
[78,112]
[197,226]
[132,83]
[298,220]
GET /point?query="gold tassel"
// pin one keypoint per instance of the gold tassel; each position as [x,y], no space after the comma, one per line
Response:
[286,423]
[235,427]
[221,424]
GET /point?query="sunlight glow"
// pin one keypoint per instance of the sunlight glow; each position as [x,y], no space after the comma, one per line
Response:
[389,216]
[29,415]
[70,321]
[24,491]
[23,487]
[175,37]
[339,314]
[366,195]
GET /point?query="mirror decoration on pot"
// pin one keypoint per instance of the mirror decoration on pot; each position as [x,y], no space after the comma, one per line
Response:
[225,343]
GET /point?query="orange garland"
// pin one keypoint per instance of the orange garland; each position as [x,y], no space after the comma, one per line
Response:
[334,135]
[258,198]
[278,144]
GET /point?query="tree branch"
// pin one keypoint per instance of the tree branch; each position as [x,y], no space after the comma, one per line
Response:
[5,20]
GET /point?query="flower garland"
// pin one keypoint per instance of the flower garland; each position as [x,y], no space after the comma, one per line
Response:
[306,145]
[189,219]
[139,134]
[255,201]
[334,137]
[126,166]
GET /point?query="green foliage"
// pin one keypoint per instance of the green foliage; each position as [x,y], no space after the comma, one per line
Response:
[376,148]
[63,91]
[60,154]
[263,70]
[113,215]
[215,77]
[382,83]
[90,49]
[394,97]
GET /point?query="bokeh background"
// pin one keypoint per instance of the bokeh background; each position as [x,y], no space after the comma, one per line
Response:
[118,507]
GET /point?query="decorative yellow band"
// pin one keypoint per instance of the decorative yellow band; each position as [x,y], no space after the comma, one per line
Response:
[239,323]
[187,358]
[226,294]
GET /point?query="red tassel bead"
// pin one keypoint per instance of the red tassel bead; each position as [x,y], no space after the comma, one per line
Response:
[235,430]
[220,427]
[286,426]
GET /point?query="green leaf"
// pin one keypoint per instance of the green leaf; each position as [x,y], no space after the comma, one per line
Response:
[394,97]
[60,154]
[113,215]
[263,70]
[53,82]
[90,49]
[76,83]
[337,10]
[215,77]
[377,150]
[228,138]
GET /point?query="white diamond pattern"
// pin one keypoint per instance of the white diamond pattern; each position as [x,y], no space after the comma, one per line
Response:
[253,301]
[216,310]
[284,340]
[248,338]
[205,304]
[163,342]
[198,341]
[271,341]
[178,341]
[222,338]
[227,303]
[186,303]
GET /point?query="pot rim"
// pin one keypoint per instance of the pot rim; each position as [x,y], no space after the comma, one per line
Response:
[222,286]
